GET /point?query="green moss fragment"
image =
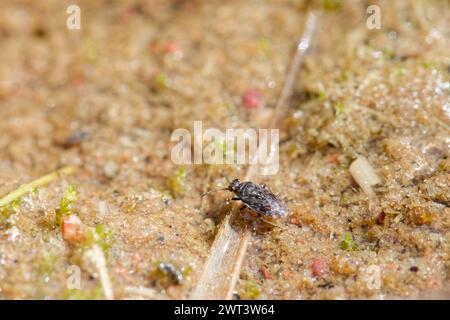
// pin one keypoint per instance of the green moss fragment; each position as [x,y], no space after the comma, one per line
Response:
[339,107]
[187,270]
[331,5]
[177,183]
[68,200]
[265,46]
[400,71]
[12,207]
[48,263]
[389,54]
[105,237]
[348,243]
[251,291]
[15,205]
[95,293]
[66,206]
[161,81]
[100,236]
[346,74]
[29,187]
[229,106]
[322,95]
[75,294]
[91,49]
[4,213]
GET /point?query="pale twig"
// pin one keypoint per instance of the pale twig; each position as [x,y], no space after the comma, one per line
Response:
[143,292]
[96,255]
[222,268]
[29,187]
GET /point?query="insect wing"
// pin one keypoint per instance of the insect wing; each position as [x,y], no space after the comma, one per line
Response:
[265,202]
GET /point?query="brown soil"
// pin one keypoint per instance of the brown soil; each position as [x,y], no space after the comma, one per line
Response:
[137,71]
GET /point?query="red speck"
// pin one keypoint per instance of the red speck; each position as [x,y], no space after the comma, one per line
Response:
[381,218]
[287,274]
[154,48]
[126,14]
[70,228]
[294,221]
[372,104]
[319,268]
[79,81]
[252,99]
[334,158]
[265,272]
[159,48]
[171,47]
[21,90]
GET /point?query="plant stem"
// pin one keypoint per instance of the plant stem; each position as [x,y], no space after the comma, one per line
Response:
[29,187]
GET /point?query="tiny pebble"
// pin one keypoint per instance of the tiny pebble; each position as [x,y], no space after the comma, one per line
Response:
[252,99]
[102,208]
[265,272]
[171,47]
[110,169]
[319,268]
[70,228]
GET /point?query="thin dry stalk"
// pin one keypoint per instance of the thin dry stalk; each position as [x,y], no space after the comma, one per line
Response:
[29,187]
[222,268]
[143,293]
[97,257]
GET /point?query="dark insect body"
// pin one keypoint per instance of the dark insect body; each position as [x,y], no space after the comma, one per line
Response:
[258,198]
[172,272]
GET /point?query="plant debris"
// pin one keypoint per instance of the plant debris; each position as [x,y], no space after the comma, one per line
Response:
[348,243]
[251,291]
[66,206]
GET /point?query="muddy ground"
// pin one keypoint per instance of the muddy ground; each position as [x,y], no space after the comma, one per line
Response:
[106,98]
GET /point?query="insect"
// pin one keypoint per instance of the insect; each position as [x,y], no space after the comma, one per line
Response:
[259,198]
[172,272]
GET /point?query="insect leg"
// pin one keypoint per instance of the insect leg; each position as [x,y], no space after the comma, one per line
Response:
[271,223]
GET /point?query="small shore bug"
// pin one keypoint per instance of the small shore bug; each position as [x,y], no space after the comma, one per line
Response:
[259,198]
